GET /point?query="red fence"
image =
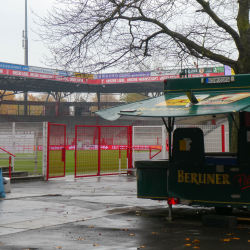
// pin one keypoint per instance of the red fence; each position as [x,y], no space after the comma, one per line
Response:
[56,150]
[98,148]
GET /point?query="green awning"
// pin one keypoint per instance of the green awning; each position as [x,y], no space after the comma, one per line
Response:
[179,105]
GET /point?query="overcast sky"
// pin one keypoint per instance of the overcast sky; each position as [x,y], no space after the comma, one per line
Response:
[12,16]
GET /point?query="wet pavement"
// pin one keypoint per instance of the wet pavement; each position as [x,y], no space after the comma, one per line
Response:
[104,213]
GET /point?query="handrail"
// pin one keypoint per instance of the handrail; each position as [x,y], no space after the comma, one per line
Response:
[125,147]
[7,152]
[9,159]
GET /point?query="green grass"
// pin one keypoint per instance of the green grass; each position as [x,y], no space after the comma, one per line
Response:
[87,161]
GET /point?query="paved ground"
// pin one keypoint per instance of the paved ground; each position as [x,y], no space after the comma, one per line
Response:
[104,213]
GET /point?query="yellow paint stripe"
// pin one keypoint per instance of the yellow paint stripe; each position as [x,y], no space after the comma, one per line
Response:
[216,202]
[229,202]
[238,218]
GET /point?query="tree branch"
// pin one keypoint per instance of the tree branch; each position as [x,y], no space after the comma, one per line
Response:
[175,35]
[222,24]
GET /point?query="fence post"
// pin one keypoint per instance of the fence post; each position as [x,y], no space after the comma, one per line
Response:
[13,143]
[76,139]
[222,138]
[45,139]
[64,141]
[99,150]
[132,150]
[36,149]
[48,142]
[163,142]
[127,158]
[119,160]
[10,166]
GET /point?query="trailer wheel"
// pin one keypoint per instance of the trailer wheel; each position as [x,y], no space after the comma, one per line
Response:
[224,210]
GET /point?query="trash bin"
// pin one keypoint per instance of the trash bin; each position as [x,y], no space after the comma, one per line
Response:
[6,185]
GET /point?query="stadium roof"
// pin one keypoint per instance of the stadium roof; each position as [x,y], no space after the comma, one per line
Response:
[28,78]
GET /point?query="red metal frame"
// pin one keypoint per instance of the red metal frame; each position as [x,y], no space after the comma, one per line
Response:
[48,143]
[9,160]
[98,130]
[75,147]
[99,151]
[150,150]
[63,159]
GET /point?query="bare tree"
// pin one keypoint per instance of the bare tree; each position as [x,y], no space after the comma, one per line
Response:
[94,34]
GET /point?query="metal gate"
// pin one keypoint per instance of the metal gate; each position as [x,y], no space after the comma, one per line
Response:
[102,150]
[28,141]
[149,142]
[56,150]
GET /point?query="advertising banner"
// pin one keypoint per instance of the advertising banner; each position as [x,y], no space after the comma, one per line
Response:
[81,75]
[124,75]
[43,70]
[206,74]
[14,66]
[137,79]
[103,147]
[47,76]
[228,71]
[133,77]
[165,72]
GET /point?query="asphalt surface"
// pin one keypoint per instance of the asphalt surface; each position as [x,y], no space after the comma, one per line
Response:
[104,213]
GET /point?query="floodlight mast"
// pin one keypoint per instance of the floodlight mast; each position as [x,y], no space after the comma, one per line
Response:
[25,37]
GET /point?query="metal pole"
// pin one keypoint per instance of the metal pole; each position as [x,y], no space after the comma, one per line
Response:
[45,138]
[26,36]
[98,100]
[13,144]
[163,130]
[36,149]
[169,139]
[25,95]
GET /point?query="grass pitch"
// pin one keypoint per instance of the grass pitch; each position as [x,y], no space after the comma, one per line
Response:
[87,161]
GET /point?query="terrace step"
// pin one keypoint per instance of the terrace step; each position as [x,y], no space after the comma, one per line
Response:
[6,169]
[27,178]
[15,174]
[21,176]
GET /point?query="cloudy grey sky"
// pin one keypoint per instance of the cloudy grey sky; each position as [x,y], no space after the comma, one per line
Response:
[12,18]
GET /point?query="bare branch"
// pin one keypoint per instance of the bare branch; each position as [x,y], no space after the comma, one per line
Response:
[87,34]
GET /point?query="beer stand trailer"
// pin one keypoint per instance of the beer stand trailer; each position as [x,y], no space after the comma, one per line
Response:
[190,176]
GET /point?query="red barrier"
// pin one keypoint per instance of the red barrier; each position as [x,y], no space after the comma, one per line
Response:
[56,150]
[9,160]
[107,153]
[95,147]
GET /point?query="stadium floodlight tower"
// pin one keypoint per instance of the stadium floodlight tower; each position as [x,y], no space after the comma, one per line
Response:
[25,46]
[25,37]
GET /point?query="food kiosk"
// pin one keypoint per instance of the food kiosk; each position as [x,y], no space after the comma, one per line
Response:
[190,176]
